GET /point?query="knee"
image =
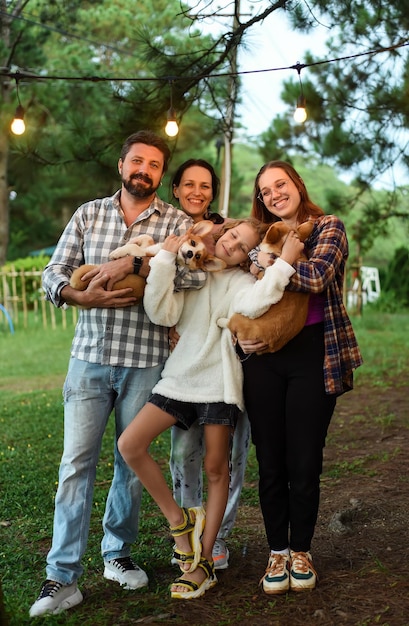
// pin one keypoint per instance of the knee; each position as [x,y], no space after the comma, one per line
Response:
[215,471]
[128,448]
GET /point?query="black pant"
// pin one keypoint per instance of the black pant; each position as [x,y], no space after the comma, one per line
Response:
[289,413]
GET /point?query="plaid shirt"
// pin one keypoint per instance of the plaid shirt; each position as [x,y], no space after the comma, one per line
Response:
[114,336]
[327,252]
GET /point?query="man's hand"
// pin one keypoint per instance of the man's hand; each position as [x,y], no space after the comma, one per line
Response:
[96,295]
[116,270]
[173,337]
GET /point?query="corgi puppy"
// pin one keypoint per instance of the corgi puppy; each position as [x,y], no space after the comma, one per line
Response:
[192,253]
[286,318]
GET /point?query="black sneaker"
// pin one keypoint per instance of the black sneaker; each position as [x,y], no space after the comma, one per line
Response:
[125,572]
[55,597]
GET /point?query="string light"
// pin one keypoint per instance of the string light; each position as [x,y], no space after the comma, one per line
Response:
[171,128]
[300,113]
[17,125]
[19,116]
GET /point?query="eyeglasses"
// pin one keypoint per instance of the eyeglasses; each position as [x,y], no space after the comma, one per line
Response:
[265,195]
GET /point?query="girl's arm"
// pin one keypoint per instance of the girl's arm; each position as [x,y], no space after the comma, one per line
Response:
[162,304]
[269,290]
[257,299]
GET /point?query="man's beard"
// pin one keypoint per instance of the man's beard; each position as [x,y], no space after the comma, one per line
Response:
[135,188]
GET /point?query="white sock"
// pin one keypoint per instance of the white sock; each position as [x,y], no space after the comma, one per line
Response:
[285,551]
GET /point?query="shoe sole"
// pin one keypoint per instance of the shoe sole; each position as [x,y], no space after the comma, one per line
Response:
[276,592]
[221,566]
[116,579]
[198,593]
[302,584]
[299,587]
[65,605]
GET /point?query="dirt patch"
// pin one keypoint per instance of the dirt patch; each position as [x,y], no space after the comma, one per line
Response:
[360,549]
[361,545]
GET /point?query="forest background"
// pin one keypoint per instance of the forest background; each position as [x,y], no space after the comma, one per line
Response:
[90,73]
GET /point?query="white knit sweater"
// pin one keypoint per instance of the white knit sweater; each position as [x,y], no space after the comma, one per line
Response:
[204,366]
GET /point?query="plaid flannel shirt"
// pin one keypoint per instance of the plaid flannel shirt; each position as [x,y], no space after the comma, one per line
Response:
[327,252]
[114,336]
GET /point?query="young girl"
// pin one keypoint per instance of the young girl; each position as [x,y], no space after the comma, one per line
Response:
[195,186]
[202,380]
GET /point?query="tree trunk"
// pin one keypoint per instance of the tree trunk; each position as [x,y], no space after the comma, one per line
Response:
[4,197]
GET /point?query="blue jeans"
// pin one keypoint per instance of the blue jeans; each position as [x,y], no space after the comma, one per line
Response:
[185,463]
[91,393]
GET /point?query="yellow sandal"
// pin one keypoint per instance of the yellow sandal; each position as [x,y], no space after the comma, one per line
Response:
[193,524]
[194,590]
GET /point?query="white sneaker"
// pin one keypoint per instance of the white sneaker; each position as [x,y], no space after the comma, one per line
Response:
[54,598]
[220,554]
[276,579]
[303,575]
[125,572]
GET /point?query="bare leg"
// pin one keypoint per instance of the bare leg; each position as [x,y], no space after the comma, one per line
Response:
[216,463]
[134,445]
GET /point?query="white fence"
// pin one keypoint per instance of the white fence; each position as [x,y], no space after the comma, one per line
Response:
[22,302]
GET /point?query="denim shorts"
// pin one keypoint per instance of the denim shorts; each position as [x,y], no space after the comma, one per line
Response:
[205,412]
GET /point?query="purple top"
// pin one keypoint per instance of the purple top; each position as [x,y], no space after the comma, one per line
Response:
[315,309]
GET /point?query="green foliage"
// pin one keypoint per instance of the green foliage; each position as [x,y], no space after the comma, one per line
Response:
[27,264]
[357,107]
[24,274]
[383,338]
[31,438]
[74,128]
[396,282]
[357,110]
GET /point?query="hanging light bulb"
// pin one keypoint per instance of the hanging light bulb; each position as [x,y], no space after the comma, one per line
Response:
[300,114]
[171,128]
[17,125]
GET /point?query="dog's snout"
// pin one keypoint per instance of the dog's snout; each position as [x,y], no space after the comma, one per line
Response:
[189,254]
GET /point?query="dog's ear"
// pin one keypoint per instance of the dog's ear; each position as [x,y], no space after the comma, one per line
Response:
[274,238]
[213,264]
[202,228]
[305,230]
[275,232]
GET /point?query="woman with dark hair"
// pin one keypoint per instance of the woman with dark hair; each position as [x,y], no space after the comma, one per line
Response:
[196,178]
[290,395]
[195,185]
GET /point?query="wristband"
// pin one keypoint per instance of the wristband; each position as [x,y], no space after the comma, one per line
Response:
[137,264]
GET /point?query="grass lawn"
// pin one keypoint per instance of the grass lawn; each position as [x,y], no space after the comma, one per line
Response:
[32,369]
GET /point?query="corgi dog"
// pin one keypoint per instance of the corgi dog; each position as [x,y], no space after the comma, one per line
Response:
[192,254]
[284,319]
